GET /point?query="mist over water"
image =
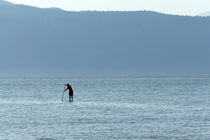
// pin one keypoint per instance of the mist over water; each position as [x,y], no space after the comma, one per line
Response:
[105,108]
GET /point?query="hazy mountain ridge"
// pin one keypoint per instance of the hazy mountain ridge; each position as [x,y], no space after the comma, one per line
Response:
[56,42]
[206,14]
[2,2]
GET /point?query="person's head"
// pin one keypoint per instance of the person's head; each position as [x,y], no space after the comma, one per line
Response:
[67,84]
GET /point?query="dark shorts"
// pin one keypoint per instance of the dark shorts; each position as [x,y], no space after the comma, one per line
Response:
[71,94]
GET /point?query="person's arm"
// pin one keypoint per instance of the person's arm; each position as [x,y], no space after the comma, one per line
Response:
[65,89]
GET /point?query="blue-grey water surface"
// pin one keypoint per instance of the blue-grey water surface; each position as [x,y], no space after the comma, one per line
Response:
[159,108]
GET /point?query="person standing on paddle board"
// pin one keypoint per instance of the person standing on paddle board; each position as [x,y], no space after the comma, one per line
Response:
[68,87]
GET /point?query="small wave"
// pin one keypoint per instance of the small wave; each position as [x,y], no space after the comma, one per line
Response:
[25,102]
[110,104]
[135,105]
[46,139]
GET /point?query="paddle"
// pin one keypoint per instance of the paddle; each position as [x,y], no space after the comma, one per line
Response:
[63,93]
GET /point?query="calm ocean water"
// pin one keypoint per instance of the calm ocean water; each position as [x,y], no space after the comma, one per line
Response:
[106,108]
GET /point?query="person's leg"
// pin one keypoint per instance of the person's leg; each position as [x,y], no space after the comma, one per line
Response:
[69,98]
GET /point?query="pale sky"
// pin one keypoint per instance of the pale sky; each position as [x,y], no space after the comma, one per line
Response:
[178,7]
